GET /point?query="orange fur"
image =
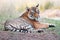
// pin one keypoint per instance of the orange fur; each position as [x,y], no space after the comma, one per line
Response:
[38,25]
[35,24]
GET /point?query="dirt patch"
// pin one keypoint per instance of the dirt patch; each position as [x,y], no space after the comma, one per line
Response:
[27,36]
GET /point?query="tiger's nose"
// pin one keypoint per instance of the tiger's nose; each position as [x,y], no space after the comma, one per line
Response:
[38,18]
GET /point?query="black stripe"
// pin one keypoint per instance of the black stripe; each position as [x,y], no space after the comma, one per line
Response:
[14,28]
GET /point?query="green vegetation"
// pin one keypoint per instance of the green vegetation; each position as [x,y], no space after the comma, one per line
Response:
[57,24]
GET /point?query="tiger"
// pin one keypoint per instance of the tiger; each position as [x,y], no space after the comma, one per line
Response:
[27,22]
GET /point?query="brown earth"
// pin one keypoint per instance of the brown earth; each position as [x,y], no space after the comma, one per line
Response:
[28,36]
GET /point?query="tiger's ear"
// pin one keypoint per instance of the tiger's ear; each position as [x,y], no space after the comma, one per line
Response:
[37,5]
[27,8]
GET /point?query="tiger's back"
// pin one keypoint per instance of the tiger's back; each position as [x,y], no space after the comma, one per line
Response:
[17,24]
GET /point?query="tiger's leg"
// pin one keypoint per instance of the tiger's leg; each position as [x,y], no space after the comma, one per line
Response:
[10,28]
[24,30]
[38,25]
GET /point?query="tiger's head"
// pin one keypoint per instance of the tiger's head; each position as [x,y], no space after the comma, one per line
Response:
[33,13]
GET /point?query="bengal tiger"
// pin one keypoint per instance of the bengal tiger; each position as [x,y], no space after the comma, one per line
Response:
[28,21]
